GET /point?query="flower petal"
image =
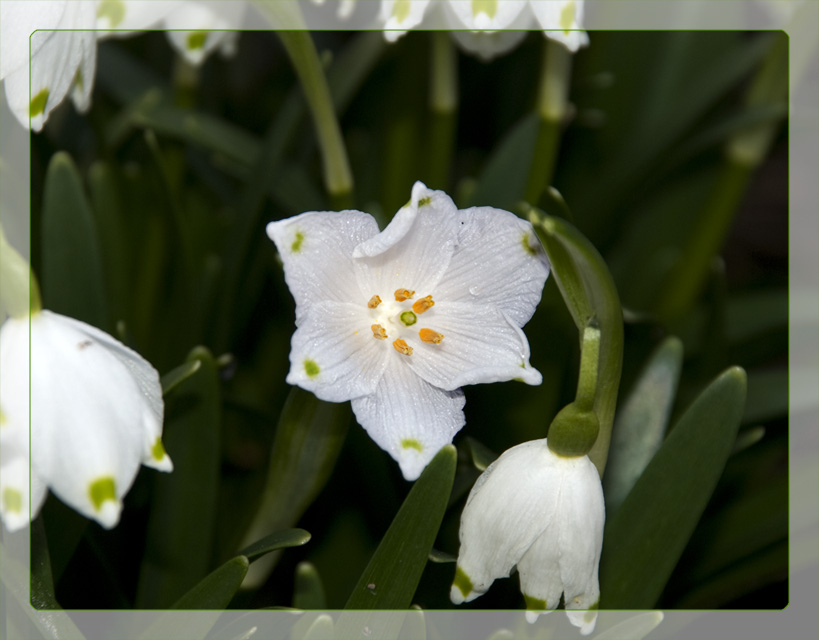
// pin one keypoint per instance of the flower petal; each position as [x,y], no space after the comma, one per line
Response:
[19,503]
[480,344]
[147,379]
[561,20]
[18,20]
[414,250]
[195,29]
[399,16]
[316,249]
[509,508]
[409,418]
[498,261]
[334,354]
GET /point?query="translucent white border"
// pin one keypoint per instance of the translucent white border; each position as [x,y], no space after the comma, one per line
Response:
[800,19]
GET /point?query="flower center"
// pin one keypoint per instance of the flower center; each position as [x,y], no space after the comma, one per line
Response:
[392,320]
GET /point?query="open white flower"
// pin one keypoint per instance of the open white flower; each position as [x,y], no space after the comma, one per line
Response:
[96,414]
[397,321]
[544,513]
[561,20]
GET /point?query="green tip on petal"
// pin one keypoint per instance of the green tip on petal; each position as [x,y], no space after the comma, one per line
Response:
[462,582]
[525,241]
[489,7]
[102,490]
[196,40]
[158,450]
[12,500]
[423,202]
[38,103]
[535,603]
[311,368]
[411,443]
[567,16]
[401,10]
[296,246]
[114,10]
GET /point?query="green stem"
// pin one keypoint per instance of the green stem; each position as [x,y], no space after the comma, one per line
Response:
[552,106]
[19,292]
[443,106]
[589,364]
[302,51]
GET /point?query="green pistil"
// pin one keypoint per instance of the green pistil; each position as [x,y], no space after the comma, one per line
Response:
[311,368]
[102,490]
[463,582]
[196,40]
[412,443]
[38,103]
[408,318]
[296,246]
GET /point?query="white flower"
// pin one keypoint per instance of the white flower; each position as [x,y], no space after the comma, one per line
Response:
[397,321]
[489,28]
[96,414]
[544,513]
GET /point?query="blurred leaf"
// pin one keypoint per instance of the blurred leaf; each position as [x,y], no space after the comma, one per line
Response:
[767,395]
[42,582]
[591,297]
[308,592]
[322,628]
[441,557]
[482,456]
[308,440]
[647,535]
[392,575]
[278,540]
[176,376]
[217,589]
[748,438]
[72,274]
[179,546]
[503,180]
[641,423]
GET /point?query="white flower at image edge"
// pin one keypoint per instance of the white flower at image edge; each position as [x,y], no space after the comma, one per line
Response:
[398,320]
[543,513]
[96,415]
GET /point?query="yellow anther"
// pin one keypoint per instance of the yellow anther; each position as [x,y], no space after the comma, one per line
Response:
[420,306]
[374,302]
[428,335]
[403,294]
[401,346]
[379,331]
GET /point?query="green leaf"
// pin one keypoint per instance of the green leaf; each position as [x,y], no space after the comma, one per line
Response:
[767,395]
[218,588]
[72,275]
[393,573]
[308,592]
[591,297]
[278,540]
[179,546]
[482,456]
[641,423]
[307,443]
[503,180]
[646,536]
[42,582]
[176,376]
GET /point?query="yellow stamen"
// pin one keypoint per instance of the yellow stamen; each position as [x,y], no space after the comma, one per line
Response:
[428,335]
[403,294]
[420,306]
[374,302]
[402,347]
[379,331]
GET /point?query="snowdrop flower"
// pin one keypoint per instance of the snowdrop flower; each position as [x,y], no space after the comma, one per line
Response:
[96,414]
[544,513]
[398,320]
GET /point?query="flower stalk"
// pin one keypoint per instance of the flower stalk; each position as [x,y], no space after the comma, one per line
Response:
[443,107]
[552,106]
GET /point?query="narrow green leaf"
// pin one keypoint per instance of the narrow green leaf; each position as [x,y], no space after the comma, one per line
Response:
[176,376]
[278,540]
[503,180]
[307,443]
[392,575]
[482,456]
[646,536]
[218,588]
[590,295]
[72,274]
[308,592]
[641,423]
[767,395]
[179,546]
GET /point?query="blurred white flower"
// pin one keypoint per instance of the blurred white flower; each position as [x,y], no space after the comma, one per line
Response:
[398,321]
[543,513]
[489,28]
[96,414]
[64,36]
